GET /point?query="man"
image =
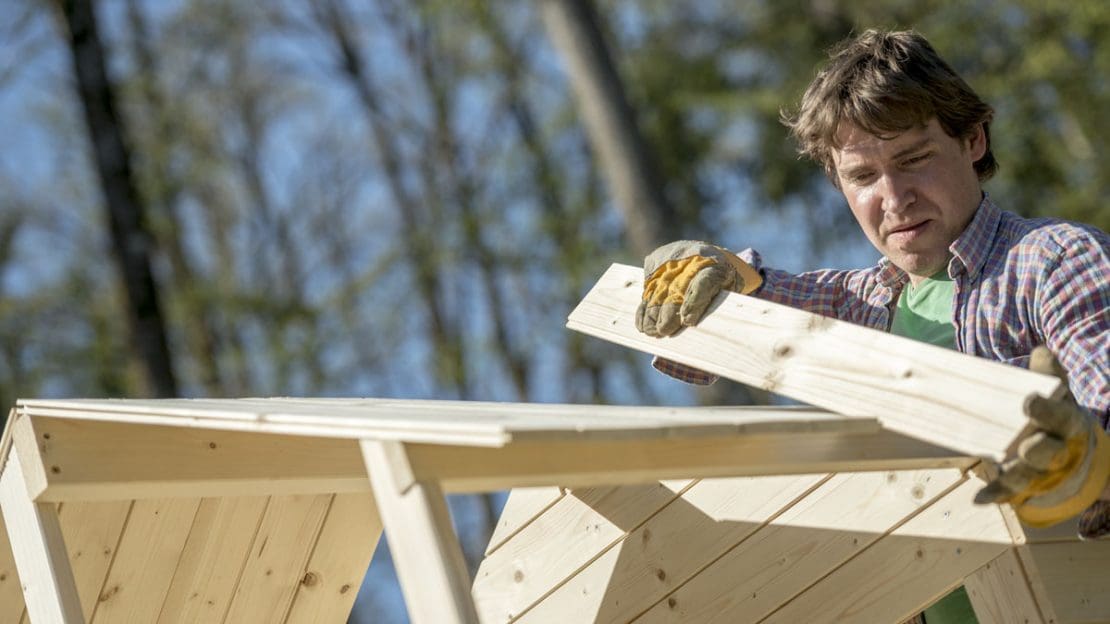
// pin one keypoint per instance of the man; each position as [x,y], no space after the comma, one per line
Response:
[907,142]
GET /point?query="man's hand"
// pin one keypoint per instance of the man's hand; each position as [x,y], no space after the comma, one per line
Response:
[680,281]
[1061,468]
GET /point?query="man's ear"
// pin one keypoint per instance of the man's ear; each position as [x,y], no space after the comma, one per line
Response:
[977,143]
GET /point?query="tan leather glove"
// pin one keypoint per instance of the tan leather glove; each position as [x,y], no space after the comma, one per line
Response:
[1061,467]
[680,281]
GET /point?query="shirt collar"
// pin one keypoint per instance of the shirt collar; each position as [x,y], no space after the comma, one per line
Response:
[971,249]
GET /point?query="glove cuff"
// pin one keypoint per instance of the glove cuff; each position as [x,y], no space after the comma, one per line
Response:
[1090,479]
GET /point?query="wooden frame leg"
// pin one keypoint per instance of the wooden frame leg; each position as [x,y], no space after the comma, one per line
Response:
[425,549]
[49,588]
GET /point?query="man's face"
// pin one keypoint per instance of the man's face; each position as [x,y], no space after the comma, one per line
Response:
[913,193]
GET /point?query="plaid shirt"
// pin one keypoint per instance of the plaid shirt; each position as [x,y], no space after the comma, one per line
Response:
[1019,283]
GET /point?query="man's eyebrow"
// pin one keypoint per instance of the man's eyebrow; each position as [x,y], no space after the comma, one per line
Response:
[902,153]
[913,147]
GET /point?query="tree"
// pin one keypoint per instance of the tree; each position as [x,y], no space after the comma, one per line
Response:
[131,238]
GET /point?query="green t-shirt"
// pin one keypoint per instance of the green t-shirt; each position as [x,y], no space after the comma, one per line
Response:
[924,313]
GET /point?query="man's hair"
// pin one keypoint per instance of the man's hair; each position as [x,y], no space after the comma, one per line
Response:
[886,83]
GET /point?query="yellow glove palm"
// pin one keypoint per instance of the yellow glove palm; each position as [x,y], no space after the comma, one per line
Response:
[682,278]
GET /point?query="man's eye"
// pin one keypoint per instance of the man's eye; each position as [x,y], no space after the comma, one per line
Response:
[920,158]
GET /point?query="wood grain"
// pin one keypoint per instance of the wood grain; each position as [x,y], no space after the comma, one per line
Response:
[974,405]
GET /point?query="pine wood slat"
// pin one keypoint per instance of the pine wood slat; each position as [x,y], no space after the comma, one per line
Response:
[97,460]
[522,507]
[425,549]
[813,537]
[92,532]
[446,422]
[338,562]
[1000,593]
[909,569]
[145,560]
[1073,575]
[575,530]
[974,406]
[11,594]
[211,559]
[276,560]
[672,546]
[599,463]
[35,537]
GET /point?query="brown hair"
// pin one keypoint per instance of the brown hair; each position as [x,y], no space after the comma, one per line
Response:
[886,83]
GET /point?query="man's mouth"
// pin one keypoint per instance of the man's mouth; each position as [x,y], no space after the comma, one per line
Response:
[908,232]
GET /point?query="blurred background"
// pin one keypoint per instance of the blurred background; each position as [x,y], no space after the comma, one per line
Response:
[405,198]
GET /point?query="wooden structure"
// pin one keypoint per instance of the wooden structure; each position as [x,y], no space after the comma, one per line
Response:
[268,510]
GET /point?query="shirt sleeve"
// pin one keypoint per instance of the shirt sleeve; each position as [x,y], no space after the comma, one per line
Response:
[1073,304]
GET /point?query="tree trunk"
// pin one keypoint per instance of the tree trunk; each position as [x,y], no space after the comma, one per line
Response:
[610,122]
[131,239]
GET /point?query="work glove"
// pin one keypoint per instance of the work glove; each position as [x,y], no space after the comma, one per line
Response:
[680,281]
[1062,466]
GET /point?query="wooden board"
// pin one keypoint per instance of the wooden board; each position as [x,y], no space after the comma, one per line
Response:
[910,568]
[522,507]
[468,423]
[974,406]
[145,560]
[92,533]
[35,536]
[1000,593]
[212,559]
[802,545]
[338,562]
[277,558]
[580,527]
[670,548]
[11,594]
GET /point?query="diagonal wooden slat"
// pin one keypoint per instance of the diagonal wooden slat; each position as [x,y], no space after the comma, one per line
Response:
[957,401]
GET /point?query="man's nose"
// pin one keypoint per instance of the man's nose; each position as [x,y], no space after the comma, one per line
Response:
[897,192]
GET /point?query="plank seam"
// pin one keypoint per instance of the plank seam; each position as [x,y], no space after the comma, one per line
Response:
[246,559]
[112,563]
[505,540]
[762,525]
[614,544]
[939,497]
[308,558]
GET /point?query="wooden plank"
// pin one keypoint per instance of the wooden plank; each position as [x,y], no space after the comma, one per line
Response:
[1073,577]
[212,559]
[278,554]
[1000,593]
[832,364]
[522,507]
[95,460]
[426,551]
[709,519]
[49,588]
[909,569]
[11,594]
[599,463]
[577,529]
[145,560]
[813,537]
[92,532]
[469,423]
[339,561]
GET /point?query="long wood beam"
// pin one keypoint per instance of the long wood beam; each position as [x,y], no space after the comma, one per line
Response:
[968,404]
[118,461]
